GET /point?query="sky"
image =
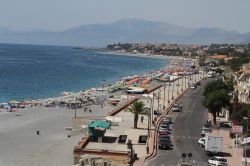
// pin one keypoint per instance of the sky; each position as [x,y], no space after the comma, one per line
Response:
[58,15]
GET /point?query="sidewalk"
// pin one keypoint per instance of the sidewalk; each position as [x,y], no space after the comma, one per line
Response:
[233,154]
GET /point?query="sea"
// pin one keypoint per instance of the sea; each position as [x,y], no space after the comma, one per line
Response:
[35,72]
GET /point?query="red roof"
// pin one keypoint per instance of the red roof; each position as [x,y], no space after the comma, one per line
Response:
[218,57]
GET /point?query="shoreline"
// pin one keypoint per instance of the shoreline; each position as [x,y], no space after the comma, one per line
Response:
[115,53]
[143,55]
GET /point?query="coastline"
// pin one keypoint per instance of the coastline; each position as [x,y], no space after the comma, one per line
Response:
[78,94]
[135,55]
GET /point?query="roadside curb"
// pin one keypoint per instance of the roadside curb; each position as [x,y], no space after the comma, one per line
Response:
[153,154]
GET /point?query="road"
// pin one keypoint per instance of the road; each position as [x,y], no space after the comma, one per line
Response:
[186,131]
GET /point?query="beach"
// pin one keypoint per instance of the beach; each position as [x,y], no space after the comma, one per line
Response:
[21,146]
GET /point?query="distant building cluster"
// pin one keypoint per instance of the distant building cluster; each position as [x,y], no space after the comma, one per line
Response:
[180,50]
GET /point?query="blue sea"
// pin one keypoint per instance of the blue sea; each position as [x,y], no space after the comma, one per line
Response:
[35,72]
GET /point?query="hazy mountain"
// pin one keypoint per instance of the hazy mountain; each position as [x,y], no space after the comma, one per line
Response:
[126,30]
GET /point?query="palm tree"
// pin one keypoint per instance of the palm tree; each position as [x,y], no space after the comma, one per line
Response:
[137,108]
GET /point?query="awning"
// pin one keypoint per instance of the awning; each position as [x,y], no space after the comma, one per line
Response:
[100,124]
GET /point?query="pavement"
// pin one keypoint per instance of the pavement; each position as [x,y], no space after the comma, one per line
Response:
[233,153]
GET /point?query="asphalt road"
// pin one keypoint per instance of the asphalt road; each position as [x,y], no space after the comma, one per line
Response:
[186,131]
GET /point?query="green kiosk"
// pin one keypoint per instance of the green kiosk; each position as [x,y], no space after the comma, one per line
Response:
[97,129]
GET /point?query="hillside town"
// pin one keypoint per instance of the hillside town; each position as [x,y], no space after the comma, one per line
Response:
[181,50]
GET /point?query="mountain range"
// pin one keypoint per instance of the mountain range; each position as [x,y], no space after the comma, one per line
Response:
[126,30]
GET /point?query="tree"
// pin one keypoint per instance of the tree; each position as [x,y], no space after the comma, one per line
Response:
[202,61]
[214,86]
[138,108]
[215,100]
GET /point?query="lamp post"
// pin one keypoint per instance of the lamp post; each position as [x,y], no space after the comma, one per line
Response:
[185,81]
[130,153]
[182,83]
[169,91]
[245,150]
[173,91]
[178,84]
[164,97]
[158,100]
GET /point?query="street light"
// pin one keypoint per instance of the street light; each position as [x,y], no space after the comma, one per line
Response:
[163,104]
[182,83]
[178,85]
[173,91]
[132,156]
[246,118]
[168,91]
[158,105]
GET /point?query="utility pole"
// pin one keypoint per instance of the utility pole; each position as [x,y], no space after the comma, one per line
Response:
[173,91]
[163,104]
[178,85]
[169,91]
[158,110]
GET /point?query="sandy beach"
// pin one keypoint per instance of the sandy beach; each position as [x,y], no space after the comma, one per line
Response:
[21,146]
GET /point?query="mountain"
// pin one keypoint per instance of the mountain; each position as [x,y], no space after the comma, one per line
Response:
[126,30]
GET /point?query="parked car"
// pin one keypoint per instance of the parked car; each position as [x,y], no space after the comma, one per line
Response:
[193,86]
[165,122]
[167,118]
[164,136]
[176,108]
[205,128]
[163,132]
[164,143]
[217,161]
[205,132]
[201,142]
[226,124]
[164,127]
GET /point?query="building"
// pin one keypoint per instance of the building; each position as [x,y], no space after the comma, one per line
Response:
[242,86]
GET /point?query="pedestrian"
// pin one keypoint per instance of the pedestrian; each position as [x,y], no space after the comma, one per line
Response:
[142,117]
[90,110]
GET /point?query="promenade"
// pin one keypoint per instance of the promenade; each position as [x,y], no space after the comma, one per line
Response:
[170,92]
